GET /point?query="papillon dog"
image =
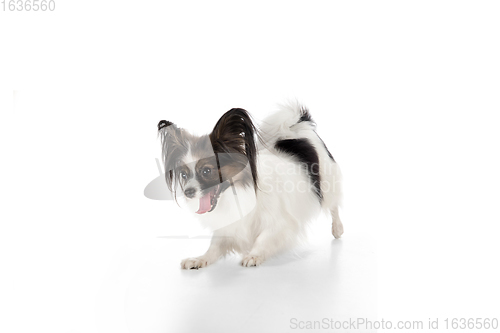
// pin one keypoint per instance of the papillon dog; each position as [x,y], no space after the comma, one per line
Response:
[256,187]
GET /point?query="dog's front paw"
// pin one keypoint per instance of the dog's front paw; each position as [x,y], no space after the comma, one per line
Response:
[250,260]
[194,263]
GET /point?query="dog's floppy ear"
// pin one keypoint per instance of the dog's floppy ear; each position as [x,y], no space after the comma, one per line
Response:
[173,148]
[236,133]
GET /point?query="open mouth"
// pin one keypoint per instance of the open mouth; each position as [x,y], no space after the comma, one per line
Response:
[208,202]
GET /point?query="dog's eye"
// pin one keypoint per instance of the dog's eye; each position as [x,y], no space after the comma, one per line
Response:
[206,171]
[183,175]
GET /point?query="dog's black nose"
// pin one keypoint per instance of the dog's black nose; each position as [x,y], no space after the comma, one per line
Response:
[189,192]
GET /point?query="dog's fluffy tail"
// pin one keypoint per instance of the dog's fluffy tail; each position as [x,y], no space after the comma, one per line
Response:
[286,123]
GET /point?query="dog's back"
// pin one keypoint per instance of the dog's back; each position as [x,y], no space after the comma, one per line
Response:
[291,132]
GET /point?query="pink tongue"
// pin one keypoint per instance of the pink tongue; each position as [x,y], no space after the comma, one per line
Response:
[204,204]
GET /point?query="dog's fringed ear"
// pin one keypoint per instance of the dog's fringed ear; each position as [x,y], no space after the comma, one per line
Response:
[163,123]
[236,133]
[167,130]
[172,149]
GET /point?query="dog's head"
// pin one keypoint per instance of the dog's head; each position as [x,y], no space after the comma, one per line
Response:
[202,168]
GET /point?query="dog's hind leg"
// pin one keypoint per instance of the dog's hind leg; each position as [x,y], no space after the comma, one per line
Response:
[337,227]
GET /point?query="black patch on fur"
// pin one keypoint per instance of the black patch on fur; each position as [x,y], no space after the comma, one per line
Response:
[163,123]
[305,153]
[324,145]
[305,115]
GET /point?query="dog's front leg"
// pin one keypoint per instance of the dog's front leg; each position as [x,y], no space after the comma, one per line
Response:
[266,245]
[216,250]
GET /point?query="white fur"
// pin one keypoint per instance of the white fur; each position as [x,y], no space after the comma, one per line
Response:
[285,199]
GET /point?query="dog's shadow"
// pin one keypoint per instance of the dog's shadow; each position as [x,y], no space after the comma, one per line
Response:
[229,271]
[228,287]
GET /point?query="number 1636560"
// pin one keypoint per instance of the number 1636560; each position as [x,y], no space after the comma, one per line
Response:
[28,5]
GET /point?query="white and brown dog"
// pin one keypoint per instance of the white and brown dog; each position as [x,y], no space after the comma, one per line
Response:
[256,187]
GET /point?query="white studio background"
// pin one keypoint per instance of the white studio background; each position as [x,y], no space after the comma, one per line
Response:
[405,94]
